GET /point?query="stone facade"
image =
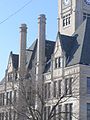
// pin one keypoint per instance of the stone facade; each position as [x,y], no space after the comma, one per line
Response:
[59,71]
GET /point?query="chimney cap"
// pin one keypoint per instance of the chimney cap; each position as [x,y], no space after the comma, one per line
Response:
[42,18]
[23,25]
[42,15]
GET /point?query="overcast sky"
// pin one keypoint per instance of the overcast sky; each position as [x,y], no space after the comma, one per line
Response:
[9,29]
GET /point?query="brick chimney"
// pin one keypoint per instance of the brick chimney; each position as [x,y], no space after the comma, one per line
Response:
[22,55]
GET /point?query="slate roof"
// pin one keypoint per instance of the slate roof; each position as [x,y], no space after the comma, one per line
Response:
[30,53]
[49,48]
[15,60]
[77,46]
[81,48]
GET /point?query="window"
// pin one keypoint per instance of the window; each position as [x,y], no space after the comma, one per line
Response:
[7,98]
[10,97]
[59,112]
[6,116]
[48,110]
[2,116]
[58,62]
[68,111]
[16,76]
[47,90]
[66,20]
[54,114]
[85,16]
[88,85]
[10,76]
[54,88]
[88,111]
[68,86]
[3,97]
[59,88]
[15,92]
[10,115]
[14,115]
[45,113]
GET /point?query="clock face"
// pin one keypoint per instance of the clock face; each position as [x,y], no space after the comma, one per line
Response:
[87,2]
[66,2]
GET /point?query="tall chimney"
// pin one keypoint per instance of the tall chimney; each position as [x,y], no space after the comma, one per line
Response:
[40,54]
[41,41]
[22,56]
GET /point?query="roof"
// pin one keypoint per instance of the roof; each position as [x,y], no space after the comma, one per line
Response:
[49,48]
[77,46]
[15,60]
[81,46]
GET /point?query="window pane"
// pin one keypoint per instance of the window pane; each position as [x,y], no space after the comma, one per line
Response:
[68,86]
[59,62]
[68,111]
[88,111]
[45,90]
[88,85]
[59,87]
[44,113]
[54,115]
[10,97]
[48,90]
[54,92]
[59,112]
[56,62]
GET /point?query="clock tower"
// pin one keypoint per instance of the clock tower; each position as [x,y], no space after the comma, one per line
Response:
[71,13]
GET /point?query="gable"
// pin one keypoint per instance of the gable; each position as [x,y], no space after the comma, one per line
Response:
[58,48]
[13,62]
[10,64]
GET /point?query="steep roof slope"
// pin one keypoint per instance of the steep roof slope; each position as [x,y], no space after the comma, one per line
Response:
[15,60]
[81,45]
[49,48]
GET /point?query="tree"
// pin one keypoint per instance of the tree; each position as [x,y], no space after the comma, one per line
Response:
[27,108]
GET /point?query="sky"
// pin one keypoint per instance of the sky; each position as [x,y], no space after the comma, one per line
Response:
[11,17]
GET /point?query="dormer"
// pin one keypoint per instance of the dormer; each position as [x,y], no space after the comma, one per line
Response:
[12,67]
[58,54]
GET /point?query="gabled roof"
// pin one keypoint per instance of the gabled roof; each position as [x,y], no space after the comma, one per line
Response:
[77,46]
[14,58]
[66,43]
[81,46]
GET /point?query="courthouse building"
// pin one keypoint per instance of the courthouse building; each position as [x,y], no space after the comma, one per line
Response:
[63,65]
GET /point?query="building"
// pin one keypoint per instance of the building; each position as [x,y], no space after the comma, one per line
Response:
[62,67]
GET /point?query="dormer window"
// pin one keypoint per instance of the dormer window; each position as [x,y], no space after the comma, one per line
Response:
[58,62]
[10,76]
